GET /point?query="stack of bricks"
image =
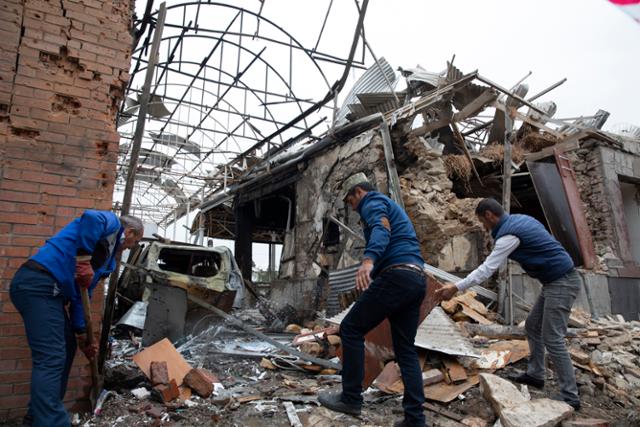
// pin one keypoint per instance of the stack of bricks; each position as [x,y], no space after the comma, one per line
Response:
[63,68]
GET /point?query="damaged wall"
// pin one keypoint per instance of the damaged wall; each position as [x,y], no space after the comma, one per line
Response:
[63,67]
[445,225]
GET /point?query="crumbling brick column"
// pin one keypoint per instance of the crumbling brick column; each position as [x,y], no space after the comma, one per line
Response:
[63,68]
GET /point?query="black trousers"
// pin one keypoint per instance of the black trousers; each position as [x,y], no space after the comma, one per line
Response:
[395,295]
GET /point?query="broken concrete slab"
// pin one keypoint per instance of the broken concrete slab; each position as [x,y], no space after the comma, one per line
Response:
[500,393]
[536,413]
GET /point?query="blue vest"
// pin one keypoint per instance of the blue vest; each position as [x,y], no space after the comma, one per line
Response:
[539,253]
[391,238]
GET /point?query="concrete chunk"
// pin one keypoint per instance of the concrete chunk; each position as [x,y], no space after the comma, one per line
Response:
[500,393]
[536,413]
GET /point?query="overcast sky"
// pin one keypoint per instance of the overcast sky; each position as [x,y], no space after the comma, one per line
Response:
[590,42]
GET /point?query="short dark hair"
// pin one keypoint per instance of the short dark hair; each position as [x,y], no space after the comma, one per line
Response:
[490,205]
[365,186]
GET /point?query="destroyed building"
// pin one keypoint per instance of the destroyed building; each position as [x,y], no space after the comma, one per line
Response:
[575,178]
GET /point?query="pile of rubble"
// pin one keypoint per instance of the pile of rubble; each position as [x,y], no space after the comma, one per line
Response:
[227,376]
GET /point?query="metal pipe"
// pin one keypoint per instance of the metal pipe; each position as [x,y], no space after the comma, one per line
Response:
[547,90]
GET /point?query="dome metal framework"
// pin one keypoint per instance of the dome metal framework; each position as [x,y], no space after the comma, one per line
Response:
[231,87]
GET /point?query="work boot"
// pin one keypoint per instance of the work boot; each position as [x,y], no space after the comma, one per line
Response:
[575,404]
[527,379]
[333,401]
[405,423]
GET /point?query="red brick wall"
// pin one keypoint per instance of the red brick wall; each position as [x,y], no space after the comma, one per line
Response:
[63,67]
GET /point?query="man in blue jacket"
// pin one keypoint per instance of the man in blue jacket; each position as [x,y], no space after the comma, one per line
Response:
[394,284]
[46,292]
[525,240]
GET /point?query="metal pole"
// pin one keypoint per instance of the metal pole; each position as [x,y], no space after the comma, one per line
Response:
[107,317]
[505,273]
[142,113]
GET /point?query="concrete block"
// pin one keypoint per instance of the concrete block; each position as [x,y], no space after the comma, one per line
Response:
[500,393]
[596,289]
[536,413]
[200,382]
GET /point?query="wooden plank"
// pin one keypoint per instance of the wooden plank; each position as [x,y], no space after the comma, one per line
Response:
[292,414]
[163,351]
[474,107]
[470,312]
[445,393]
[455,371]
[442,411]
[469,299]
[570,145]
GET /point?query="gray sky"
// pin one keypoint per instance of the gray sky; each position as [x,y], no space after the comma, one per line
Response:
[591,42]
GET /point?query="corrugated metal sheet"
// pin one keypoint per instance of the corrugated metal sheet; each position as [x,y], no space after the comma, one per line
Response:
[373,80]
[439,333]
[176,141]
[340,281]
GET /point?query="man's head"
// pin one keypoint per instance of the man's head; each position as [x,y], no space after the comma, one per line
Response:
[133,231]
[489,212]
[355,188]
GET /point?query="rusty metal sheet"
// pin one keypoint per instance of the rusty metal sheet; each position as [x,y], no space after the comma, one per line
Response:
[568,177]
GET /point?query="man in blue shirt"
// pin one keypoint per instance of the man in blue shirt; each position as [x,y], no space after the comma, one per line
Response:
[525,240]
[46,292]
[394,285]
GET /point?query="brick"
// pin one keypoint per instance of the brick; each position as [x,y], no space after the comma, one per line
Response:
[78,203]
[31,230]
[159,373]
[200,382]
[18,218]
[16,196]
[168,392]
[40,177]
[14,401]
[58,190]
[13,353]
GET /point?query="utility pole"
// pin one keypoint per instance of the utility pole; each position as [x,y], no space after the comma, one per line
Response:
[107,318]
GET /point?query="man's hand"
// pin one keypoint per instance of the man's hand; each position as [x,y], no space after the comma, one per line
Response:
[445,293]
[89,350]
[363,275]
[84,273]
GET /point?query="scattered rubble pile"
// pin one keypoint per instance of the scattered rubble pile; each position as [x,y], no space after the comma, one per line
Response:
[225,376]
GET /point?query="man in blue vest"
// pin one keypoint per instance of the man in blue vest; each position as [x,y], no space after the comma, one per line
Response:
[46,292]
[525,240]
[394,285]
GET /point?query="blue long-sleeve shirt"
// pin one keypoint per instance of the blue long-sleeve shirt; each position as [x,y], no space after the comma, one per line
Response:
[95,233]
[391,238]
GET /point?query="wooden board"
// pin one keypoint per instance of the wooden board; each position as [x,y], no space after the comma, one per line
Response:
[445,393]
[455,371]
[163,351]
[471,313]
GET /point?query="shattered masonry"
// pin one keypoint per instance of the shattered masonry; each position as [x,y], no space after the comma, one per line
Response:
[63,67]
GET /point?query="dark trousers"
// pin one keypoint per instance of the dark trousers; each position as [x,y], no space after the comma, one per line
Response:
[39,300]
[395,295]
